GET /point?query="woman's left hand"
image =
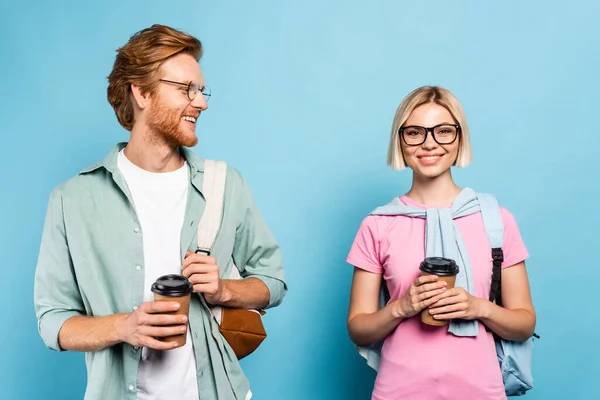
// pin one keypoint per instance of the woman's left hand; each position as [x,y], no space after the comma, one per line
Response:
[457,303]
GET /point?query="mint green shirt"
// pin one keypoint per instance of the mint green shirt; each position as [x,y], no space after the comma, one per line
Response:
[91,263]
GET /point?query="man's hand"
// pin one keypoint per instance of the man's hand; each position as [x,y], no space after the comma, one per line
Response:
[150,321]
[203,272]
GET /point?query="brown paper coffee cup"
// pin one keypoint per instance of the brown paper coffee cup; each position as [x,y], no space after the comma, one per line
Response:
[427,318]
[174,288]
[446,270]
[184,309]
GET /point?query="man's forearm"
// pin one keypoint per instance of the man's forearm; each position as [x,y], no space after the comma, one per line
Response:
[89,333]
[249,293]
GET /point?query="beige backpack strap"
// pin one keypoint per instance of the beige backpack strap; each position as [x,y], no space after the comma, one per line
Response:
[213,189]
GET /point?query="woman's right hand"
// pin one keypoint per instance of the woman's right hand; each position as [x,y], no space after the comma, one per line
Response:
[423,292]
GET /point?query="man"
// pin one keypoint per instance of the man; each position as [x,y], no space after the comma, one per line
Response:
[115,227]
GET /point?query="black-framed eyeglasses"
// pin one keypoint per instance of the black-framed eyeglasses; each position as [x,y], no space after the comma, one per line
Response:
[192,89]
[416,135]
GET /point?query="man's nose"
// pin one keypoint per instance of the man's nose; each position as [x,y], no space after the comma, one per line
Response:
[200,102]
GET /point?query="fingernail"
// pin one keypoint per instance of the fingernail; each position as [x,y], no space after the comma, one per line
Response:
[174,344]
[184,319]
[182,329]
[176,306]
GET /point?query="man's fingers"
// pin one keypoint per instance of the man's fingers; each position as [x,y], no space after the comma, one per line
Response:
[203,278]
[194,258]
[162,331]
[199,269]
[205,288]
[164,319]
[158,307]
[152,343]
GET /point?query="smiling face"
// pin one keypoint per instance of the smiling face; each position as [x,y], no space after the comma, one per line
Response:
[171,115]
[430,160]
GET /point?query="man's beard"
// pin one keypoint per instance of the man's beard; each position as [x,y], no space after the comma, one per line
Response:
[165,126]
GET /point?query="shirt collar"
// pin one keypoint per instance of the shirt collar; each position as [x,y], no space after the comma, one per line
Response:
[110,161]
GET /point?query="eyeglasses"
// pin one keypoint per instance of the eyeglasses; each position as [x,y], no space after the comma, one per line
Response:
[417,135]
[192,89]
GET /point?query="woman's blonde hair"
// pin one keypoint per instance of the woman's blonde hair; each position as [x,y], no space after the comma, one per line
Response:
[418,97]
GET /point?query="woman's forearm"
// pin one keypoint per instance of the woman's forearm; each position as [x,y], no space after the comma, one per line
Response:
[366,329]
[516,324]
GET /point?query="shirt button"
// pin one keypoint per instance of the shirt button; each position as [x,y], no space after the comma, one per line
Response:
[135,308]
[136,230]
[131,387]
[136,347]
[138,267]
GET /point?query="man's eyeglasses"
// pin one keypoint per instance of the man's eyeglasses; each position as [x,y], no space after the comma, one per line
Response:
[192,89]
[417,135]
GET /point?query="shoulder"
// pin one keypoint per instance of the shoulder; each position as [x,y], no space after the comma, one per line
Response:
[79,184]
[370,222]
[509,220]
[489,200]
[236,187]
[378,226]
[235,177]
[506,214]
[238,195]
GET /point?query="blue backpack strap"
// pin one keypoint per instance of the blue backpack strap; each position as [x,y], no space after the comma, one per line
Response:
[514,357]
[494,227]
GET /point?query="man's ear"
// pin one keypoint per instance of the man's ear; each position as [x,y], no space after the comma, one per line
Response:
[142,100]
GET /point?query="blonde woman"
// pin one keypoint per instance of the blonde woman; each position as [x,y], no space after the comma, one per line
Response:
[418,361]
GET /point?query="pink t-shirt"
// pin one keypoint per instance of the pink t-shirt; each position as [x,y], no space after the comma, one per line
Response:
[422,362]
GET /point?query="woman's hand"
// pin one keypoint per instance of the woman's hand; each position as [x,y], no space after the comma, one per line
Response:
[458,303]
[422,293]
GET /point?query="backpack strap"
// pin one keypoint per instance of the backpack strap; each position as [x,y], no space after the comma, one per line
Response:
[213,190]
[494,227]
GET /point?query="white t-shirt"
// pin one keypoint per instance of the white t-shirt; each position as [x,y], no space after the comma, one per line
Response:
[160,200]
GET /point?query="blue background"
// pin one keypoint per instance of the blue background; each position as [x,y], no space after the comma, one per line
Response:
[303,99]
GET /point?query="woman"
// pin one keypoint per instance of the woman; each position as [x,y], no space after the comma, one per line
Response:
[418,361]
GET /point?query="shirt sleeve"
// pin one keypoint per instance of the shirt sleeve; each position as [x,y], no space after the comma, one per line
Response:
[255,247]
[512,245]
[56,294]
[364,252]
